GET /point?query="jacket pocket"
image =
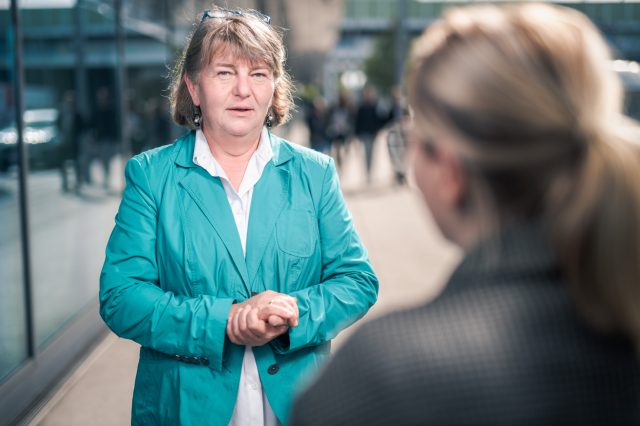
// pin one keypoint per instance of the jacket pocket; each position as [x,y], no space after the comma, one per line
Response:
[297,232]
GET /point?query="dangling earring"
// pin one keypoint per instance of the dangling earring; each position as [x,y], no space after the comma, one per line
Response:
[269,119]
[197,116]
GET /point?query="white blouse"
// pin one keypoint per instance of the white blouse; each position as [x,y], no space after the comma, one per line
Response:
[252,406]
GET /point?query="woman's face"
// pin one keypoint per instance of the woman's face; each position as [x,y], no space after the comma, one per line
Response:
[234,95]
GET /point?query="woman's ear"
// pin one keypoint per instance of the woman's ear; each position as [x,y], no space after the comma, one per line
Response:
[193,90]
[453,179]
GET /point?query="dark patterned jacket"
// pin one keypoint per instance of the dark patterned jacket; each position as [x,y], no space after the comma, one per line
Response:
[502,345]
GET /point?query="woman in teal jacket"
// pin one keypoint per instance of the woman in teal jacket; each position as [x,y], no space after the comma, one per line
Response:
[224,303]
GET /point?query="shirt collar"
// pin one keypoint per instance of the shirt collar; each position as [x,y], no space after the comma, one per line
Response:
[203,157]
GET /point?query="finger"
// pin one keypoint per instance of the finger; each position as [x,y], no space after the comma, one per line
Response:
[235,328]
[293,322]
[242,320]
[274,332]
[292,304]
[232,337]
[275,309]
[256,329]
[286,300]
[294,301]
[247,336]
[228,329]
[276,321]
[255,324]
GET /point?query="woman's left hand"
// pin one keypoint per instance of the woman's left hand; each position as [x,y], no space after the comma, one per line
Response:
[246,328]
[262,318]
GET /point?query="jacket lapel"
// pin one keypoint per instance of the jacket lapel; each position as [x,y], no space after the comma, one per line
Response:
[268,200]
[208,194]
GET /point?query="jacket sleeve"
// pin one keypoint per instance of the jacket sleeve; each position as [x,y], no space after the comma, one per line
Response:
[348,285]
[132,303]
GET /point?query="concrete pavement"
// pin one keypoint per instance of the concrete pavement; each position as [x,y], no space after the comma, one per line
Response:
[409,255]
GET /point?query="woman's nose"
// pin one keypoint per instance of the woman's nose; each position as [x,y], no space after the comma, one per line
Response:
[242,86]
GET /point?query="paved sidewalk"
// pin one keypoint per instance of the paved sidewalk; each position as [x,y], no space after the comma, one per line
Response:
[409,256]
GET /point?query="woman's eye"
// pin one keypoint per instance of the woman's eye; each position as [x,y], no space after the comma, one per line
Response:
[260,75]
[224,74]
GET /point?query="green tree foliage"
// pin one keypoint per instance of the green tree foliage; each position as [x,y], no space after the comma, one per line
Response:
[379,66]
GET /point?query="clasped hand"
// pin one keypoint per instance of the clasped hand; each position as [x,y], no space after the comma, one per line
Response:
[262,318]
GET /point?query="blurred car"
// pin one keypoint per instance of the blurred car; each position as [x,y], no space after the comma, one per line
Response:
[41,135]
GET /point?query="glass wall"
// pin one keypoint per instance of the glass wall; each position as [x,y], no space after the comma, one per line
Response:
[13,327]
[58,211]
[74,178]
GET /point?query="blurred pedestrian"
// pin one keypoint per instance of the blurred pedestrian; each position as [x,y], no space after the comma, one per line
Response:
[397,119]
[369,121]
[157,122]
[317,122]
[397,109]
[135,124]
[105,131]
[397,146]
[71,126]
[525,160]
[234,260]
[340,126]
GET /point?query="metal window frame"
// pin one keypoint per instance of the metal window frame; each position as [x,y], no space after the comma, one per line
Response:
[32,381]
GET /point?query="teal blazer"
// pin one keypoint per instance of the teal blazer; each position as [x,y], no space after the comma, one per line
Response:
[174,265]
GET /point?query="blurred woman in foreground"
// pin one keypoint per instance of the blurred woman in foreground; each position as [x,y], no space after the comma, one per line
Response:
[525,160]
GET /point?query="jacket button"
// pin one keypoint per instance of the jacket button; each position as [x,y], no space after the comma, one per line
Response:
[273,369]
[204,361]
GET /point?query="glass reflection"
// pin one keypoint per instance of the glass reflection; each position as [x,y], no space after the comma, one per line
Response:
[74,181]
[13,330]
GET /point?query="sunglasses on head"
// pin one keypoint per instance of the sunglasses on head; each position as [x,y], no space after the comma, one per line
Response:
[224,14]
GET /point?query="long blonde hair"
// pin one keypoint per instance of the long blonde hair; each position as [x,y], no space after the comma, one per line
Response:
[536,112]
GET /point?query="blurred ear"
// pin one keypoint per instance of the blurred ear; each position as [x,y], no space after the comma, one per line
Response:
[193,90]
[453,178]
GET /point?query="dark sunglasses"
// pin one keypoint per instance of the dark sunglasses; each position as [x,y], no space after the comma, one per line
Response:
[224,14]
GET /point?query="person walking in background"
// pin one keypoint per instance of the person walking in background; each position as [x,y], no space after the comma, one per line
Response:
[340,126]
[234,260]
[157,122]
[397,109]
[525,159]
[396,120]
[71,125]
[317,123]
[397,146]
[136,125]
[368,122]
[105,129]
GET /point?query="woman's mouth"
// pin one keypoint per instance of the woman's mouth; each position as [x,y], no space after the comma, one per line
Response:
[240,110]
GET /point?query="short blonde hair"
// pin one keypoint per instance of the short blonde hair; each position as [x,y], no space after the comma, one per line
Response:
[534,110]
[245,34]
